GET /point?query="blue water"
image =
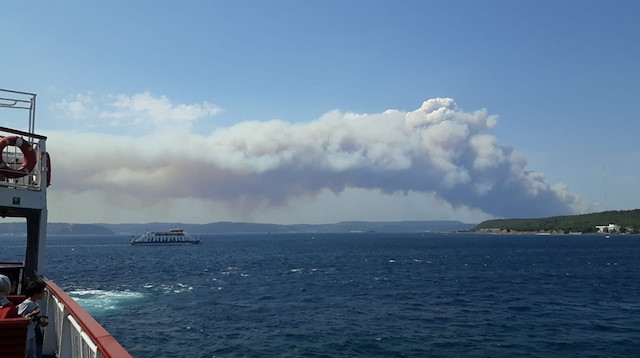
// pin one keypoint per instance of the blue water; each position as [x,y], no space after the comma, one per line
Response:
[365,295]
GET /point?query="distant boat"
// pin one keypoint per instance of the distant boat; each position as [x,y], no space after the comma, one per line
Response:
[607,237]
[171,237]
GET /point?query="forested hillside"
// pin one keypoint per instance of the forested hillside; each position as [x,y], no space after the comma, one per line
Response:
[629,221]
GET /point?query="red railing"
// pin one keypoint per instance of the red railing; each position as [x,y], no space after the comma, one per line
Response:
[107,345]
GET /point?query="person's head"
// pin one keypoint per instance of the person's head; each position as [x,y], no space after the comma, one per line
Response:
[35,290]
[5,288]
[14,283]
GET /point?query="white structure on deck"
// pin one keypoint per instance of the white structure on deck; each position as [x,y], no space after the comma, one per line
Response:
[25,174]
[608,228]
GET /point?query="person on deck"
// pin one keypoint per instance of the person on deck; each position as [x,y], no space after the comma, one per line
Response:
[7,308]
[29,308]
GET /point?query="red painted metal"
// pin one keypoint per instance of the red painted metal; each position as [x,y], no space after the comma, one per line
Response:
[13,335]
[109,347]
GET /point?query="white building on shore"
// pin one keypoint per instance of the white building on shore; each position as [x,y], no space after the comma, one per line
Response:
[608,228]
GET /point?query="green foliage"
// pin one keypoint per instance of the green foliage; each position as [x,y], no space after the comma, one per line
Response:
[585,223]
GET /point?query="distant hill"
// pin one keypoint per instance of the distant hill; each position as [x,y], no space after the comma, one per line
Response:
[386,226]
[20,228]
[77,229]
[629,220]
[241,227]
[226,227]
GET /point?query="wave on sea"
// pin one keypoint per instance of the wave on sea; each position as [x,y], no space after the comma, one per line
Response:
[101,301]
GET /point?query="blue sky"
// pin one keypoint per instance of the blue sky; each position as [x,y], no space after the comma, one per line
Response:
[310,108]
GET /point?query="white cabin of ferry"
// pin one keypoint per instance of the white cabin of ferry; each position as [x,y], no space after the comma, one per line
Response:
[173,236]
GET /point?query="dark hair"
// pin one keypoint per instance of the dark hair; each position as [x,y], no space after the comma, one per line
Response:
[34,287]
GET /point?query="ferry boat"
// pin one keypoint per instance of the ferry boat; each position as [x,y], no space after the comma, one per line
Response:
[25,174]
[171,237]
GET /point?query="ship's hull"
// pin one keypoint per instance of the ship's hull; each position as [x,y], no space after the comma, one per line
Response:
[163,243]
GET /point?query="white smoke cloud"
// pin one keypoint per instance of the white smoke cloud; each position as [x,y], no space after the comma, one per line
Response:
[438,149]
[142,111]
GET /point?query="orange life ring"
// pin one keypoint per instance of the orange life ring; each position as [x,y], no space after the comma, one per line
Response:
[28,162]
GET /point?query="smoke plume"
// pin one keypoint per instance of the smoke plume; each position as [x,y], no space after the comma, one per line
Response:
[437,148]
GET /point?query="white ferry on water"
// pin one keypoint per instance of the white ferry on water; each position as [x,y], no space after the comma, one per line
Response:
[25,174]
[171,237]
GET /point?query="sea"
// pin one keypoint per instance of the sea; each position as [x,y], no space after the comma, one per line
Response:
[358,294]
